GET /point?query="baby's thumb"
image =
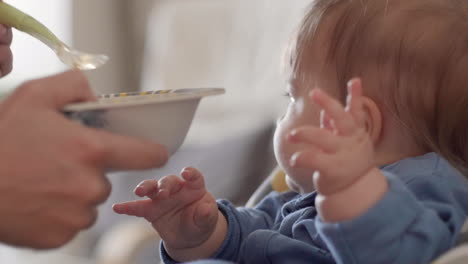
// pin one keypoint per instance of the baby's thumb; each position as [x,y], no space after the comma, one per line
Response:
[206,215]
[193,177]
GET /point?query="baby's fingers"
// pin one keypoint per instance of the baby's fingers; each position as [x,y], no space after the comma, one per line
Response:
[354,104]
[193,177]
[334,110]
[138,208]
[322,139]
[326,122]
[169,185]
[315,160]
[146,188]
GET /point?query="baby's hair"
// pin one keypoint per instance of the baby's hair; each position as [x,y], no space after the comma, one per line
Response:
[412,56]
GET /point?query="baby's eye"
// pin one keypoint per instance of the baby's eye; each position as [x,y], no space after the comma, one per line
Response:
[289,95]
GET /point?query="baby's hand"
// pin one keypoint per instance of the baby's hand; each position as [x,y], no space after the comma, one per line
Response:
[180,209]
[341,150]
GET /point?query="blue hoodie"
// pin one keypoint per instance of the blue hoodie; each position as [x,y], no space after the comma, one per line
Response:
[418,219]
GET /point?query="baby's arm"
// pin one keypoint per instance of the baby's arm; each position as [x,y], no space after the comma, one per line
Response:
[184,214]
[188,220]
[414,222]
[341,152]
[368,217]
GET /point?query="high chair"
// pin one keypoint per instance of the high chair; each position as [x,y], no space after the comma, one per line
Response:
[126,241]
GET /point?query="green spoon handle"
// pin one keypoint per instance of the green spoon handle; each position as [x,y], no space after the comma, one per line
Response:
[12,17]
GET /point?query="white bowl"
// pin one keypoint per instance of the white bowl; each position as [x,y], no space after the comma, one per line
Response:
[162,116]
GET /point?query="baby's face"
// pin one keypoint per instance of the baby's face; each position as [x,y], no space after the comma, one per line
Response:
[313,72]
[300,112]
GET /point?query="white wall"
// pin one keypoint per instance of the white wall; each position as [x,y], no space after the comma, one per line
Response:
[115,28]
[237,45]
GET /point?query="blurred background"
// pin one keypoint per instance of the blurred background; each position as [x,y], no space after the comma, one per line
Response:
[171,44]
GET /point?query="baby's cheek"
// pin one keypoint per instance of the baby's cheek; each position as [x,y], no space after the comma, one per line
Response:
[283,156]
[281,147]
[299,180]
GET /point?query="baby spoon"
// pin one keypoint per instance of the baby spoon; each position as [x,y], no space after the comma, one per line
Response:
[12,17]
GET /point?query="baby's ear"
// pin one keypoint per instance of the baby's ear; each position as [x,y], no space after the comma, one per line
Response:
[373,119]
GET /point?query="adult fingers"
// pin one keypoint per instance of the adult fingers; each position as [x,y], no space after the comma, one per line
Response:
[6,60]
[59,90]
[6,35]
[127,153]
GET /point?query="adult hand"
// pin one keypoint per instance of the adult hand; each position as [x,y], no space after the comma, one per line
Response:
[6,57]
[52,170]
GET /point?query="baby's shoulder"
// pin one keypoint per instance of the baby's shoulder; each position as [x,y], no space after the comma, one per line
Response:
[429,175]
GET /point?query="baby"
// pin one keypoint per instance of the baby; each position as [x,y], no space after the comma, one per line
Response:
[374,144]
